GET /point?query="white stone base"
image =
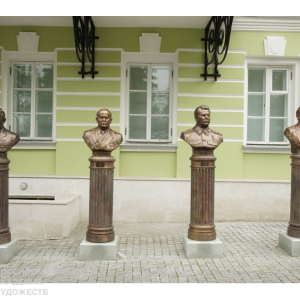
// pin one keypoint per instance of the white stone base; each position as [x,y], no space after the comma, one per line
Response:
[37,219]
[98,251]
[289,244]
[202,249]
[9,251]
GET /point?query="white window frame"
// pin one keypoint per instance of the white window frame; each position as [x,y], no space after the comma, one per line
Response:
[129,58]
[293,64]
[33,89]
[148,114]
[268,92]
[8,58]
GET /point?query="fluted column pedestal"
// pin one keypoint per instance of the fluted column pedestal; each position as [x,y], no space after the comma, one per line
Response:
[8,247]
[290,241]
[100,228]
[5,236]
[100,242]
[201,241]
[294,224]
[202,226]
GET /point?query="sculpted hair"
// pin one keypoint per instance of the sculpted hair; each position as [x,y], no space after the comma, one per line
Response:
[204,107]
[298,111]
[2,113]
[98,112]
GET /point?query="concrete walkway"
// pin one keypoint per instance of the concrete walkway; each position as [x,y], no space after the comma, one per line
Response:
[154,253]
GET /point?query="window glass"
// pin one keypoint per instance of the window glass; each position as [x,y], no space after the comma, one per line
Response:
[161,78]
[159,127]
[138,102]
[138,77]
[279,80]
[44,76]
[22,76]
[256,105]
[256,80]
[277,127]
[21,124]
[278,105]
[256,130]
[137,127]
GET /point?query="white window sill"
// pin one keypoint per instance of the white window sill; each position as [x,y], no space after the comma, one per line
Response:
[140,147]
[267,149]
[35,145]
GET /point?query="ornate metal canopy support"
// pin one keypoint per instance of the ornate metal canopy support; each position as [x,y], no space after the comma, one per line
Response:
[217,36]
[84,35]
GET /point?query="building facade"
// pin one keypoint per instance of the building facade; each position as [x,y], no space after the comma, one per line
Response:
[152,94]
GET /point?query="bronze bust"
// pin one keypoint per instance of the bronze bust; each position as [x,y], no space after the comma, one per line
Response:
[293,134]
[102,138]
[201,136]
[8,139]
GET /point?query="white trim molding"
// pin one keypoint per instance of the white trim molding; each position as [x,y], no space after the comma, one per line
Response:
[279,24]
[28,41]
[267,149]
[89,79]
[150,42]
[35,145]
[275,45]
[148,147]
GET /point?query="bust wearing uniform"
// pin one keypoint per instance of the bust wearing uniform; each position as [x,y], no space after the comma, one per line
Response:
[8,139]
[201,136]
[293,134]
[102,138]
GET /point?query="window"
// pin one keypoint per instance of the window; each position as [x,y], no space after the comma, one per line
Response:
[268,105]
[32,100]
[149,95]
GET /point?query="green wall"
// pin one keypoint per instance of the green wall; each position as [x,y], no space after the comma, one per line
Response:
[225,98]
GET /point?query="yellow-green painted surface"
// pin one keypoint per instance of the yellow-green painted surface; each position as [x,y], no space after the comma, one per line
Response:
[147,164]
[76,131]
[81,116]
[267,166]
[226,73]
[233,88]
[73,159]
[100,56]
[88,86]
[215,117]
[88,101]
[103,71]
[198,57]
[32,162]
[212,102]
[227,132]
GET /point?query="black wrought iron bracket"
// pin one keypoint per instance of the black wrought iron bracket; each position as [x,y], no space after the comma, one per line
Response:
[217,37]
[84,36]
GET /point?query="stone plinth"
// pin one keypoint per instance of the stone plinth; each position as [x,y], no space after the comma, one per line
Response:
[289,244]
[9,251]
[98,251]
[202,249]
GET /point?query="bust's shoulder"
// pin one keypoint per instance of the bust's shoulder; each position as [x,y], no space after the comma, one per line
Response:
[189,131]
[88,132]
[116,134]
[8,132]
[215,132]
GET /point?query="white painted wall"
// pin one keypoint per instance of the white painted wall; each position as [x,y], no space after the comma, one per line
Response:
[168,200]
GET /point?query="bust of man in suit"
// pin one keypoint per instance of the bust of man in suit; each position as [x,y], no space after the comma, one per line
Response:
[102,138]
[293,134]
[201,136]
[8,139]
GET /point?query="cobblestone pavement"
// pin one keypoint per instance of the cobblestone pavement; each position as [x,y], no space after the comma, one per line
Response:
[154,253]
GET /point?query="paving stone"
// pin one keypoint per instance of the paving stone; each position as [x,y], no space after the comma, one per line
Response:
[154,253]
